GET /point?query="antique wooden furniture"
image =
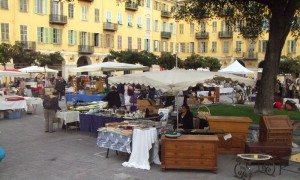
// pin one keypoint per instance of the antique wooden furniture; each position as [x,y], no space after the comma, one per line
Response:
[278,151]
[190,152]
[276,129]
[235,132]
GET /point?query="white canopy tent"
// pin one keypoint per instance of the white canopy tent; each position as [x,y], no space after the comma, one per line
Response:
[109,66]
[13,74]
[37,69]
[236,68]
[174,81]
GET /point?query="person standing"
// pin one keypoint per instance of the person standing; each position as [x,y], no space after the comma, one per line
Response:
[99,85]
[60,87]
[113,98]
[121,91]
[186,117]
[50,104]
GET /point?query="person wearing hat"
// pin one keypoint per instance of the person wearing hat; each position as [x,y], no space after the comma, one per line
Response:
[113,98]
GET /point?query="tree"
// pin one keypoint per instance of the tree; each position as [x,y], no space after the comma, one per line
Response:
[5,54]
[289,65]
[168,61]
[193,62]
[20,55]
[144,58]
[279,17]
[44,60]
[212,63]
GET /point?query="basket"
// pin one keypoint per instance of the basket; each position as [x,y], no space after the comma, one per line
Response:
[203,111]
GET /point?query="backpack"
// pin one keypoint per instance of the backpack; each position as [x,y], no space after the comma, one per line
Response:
[48,103]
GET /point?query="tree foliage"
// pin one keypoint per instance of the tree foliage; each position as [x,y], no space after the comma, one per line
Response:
[252,18]
[44,60]
[20,55]
[144,58]
[168,61]
[193,62]
[289,65]
[5,53]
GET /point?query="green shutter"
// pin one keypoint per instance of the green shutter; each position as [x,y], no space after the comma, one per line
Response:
[46,35]
[59,36]
[75,37]
[45,7]
[167,47]
[35,6]
[51,35]
[39,35]
[69,37]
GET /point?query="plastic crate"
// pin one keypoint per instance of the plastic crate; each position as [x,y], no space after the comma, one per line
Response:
[13,115]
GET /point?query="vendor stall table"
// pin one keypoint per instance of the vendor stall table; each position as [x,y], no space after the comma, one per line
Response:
[33,102]
[142,141]
[91,123]
[17,104]
[84,97]
[68,116]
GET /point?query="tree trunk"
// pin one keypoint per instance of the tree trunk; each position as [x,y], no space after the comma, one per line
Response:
[279,29]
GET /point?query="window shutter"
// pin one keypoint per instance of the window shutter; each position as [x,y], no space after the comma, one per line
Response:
[46,34]
[59,36]
[167,47]
[187,49]
[75,37]
[145,44]
[112,45]
[160,46]
[39,34]
[45,7]
[61,8]
[35,6]
[101,41]
[51,35]
[69,37]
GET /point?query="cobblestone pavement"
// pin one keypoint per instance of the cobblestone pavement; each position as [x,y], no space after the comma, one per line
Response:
[33,154]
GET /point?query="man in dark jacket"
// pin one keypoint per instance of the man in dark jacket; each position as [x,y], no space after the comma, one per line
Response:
[60,87]
[113,98]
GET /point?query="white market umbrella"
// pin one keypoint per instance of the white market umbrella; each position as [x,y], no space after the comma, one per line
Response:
[109,66]
[37,69]
[236,68]
[174,81]
[4,73]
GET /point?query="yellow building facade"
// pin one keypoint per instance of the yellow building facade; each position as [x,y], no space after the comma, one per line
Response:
[84,31]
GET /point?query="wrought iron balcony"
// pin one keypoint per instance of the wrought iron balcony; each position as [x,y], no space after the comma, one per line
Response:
[57,19]
[201,35]
[27,45]
[250,55]
[132,6]
[165,34]
[85,49]
[166,14]
[225,34]
[108,26]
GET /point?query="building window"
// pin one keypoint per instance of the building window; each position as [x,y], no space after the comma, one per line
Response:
[139,43]
[56,36]
[23,5]
[202,27]
[139,23]
[202,47]
[156,46]
[96,39]
[148,24]
[225,47]
[181,47]
[129,43]
[23,32]
[214,47]
[108,16]
[119,42]
[147,44]
[4,4]
[40,6]
[97,15]
[291,46]
[148,3]
[4,32]
[84,13]
[72,37]
[120,19]
[238,46]
[181,28]
[71,11]
[192,28]
[214,26]
[156,25]
[171,27]
[130,20]
[42,34]
[262,46]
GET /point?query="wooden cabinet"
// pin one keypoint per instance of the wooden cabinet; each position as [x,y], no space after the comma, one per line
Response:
[237,127]
[190,152]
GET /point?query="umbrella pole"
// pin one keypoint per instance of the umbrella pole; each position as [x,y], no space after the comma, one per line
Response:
[177,110]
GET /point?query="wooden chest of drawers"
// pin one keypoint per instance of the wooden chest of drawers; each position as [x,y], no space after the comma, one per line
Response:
[190,152]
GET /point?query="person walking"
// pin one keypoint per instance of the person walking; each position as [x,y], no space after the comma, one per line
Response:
[60,87]
[50,104]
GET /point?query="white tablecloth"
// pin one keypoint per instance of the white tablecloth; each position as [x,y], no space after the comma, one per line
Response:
[5,105]
[68,116]
[142,142]
[33,102]
[226,90]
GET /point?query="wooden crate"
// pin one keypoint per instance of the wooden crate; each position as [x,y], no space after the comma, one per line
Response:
[237,127]
[276,129]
